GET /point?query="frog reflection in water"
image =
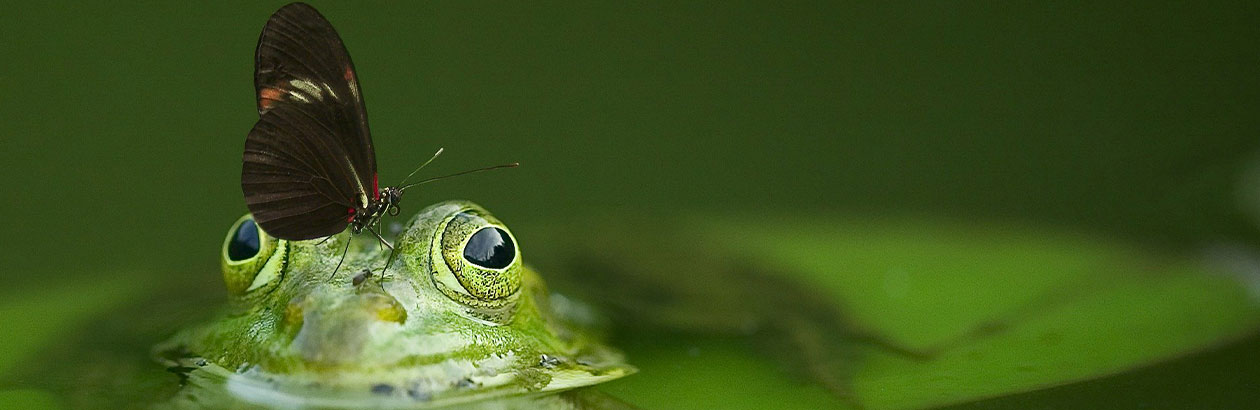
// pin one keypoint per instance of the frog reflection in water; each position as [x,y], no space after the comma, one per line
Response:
[455,318]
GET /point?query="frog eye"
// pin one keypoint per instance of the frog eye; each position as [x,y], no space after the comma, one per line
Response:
[251,258]
[243,244]
[479,261]
[490,248]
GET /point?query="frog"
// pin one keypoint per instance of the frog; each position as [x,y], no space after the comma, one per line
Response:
[447,314]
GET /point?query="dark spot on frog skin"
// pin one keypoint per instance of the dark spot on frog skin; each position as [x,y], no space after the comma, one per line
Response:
[549,361]
[465,383]
[382,389]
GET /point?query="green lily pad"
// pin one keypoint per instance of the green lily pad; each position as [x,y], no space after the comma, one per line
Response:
[1001,309]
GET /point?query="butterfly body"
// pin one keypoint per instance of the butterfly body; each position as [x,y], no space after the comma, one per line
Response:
[385,202]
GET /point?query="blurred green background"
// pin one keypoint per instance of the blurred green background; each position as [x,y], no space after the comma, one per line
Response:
[123,125]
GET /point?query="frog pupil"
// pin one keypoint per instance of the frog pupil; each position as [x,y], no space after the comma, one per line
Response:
[490,248]
[244,243]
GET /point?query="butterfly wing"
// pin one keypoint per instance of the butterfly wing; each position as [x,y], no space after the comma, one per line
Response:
[287,177]
[309,159]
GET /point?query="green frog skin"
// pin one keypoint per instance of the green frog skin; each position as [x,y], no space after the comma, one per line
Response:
[455,319]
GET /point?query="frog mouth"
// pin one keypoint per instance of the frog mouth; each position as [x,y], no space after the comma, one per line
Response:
[437,385]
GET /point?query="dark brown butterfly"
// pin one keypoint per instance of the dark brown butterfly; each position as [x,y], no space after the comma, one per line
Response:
[309,167]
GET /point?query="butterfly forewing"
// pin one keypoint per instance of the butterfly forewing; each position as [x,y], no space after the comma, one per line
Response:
[309,159]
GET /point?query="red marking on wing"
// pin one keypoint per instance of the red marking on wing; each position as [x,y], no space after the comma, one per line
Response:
[268,96]
[376,188]
[351,217]
[349,74]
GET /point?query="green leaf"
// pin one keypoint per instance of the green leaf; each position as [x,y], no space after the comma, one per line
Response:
[1010,308]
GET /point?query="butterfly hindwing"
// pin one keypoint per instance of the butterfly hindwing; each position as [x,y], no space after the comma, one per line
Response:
[285,179]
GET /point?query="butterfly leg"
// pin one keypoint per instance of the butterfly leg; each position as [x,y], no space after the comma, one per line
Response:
[380,238]
[376,231]
[343,258]
[389,261]
[375,227]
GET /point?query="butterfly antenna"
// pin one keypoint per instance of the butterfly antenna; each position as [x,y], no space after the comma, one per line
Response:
[511,165]
[435,155]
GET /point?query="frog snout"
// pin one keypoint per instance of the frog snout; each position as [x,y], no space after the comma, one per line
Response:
[335,332]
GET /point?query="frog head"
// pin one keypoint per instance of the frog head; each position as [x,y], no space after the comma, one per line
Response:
[456,316]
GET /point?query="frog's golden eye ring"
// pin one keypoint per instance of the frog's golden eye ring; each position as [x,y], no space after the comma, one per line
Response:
[479,263]
[251,259]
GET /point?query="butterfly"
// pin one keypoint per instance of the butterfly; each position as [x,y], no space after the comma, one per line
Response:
[309,169]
